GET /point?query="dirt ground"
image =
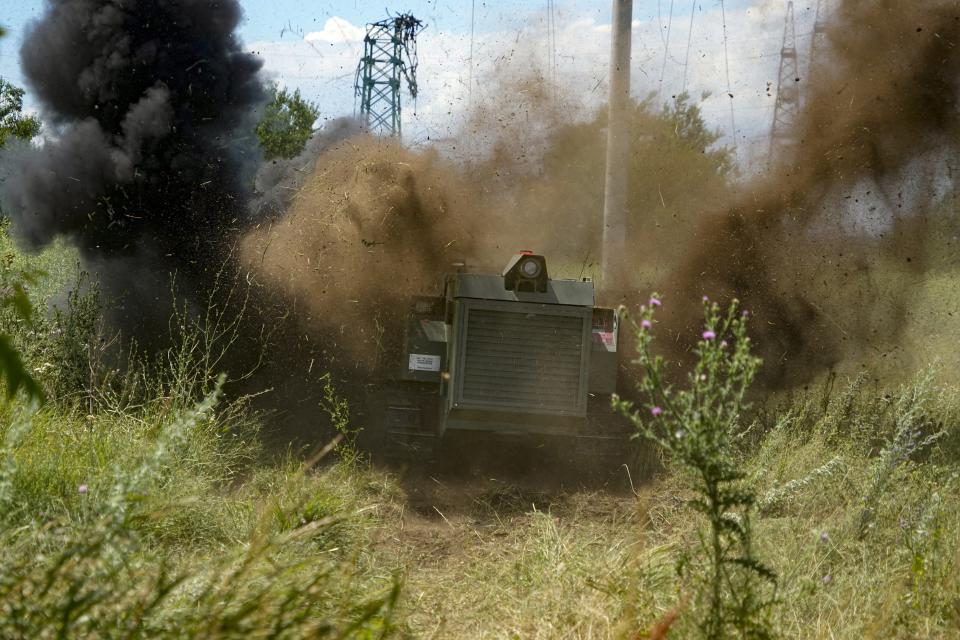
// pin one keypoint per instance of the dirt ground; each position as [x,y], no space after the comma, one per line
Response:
[500,550]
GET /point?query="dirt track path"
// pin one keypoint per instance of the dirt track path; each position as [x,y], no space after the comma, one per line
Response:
[496,558]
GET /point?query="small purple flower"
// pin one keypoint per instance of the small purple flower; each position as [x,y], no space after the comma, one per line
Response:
[646,324]
[656,411]
[709,335]
[82,489]
[745,313]
[824,536]
[706,298]
[827,579]
[654,302]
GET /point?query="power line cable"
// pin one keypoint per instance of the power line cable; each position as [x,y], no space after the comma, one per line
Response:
[666,43]
[726,57]
[473,16]
[552,45]
[556,70]
[550,41]
[686,60]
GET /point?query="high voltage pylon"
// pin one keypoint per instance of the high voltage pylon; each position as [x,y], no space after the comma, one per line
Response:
[786,110]
[818,43]
[389,55]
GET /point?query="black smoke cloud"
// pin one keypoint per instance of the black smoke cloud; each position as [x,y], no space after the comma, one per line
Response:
[149,165]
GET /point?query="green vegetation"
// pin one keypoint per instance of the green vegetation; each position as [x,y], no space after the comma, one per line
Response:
[678,171]
[12,121]
[286,125]
[695,428]
[13,299]
[143,505]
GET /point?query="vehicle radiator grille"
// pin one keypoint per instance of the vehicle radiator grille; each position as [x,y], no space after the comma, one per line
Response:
[524,360]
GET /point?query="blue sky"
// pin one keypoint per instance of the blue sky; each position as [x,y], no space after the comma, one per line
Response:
[302,48]
[275,19]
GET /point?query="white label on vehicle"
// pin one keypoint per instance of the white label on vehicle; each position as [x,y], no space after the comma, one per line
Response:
[424,362]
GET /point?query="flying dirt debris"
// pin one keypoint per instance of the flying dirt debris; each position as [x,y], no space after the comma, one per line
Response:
[152,174]
[832,278]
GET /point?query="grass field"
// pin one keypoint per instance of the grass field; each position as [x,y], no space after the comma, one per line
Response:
[165,517]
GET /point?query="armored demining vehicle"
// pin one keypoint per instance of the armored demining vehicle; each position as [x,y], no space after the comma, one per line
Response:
[511,355]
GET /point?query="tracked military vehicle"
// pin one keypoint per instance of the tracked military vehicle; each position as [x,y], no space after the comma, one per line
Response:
[515,354]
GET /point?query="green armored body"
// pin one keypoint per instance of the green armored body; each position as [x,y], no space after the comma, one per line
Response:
[517,353]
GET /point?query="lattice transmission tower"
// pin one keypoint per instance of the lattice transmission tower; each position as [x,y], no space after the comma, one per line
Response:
[819,42]
[786,110]
[389,57]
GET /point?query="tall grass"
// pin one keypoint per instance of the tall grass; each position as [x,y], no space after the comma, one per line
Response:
[137,501]
[133,530]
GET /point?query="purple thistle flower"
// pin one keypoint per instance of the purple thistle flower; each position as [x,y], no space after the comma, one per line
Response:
[654,302]
[706,299]
[745,313]
[656,411]
[82,489]
[709,335]
[646,324]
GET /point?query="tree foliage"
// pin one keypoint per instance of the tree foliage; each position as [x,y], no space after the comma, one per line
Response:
[690,130]
[13,122]
[286,125]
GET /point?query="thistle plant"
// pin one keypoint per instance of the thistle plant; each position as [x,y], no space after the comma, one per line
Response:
[695,427]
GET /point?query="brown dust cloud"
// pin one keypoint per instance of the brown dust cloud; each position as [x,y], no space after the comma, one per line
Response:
[844,248]
[830,286]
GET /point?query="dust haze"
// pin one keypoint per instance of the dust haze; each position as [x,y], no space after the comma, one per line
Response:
[826,247]
[157,178]
[879,122]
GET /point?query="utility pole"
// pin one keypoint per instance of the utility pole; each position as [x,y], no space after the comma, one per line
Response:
[618,148]
[389,55]
[786,110]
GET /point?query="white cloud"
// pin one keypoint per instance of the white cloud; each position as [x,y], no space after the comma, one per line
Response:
[337,30]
